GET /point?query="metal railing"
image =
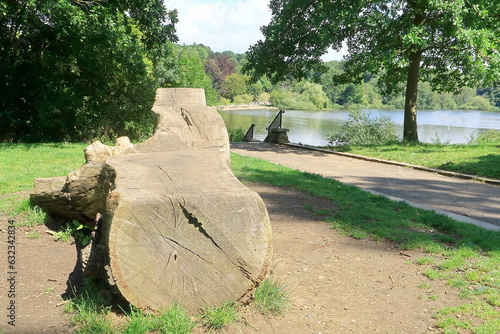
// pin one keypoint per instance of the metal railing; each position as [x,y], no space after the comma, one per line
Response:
[276,123]
[249,135]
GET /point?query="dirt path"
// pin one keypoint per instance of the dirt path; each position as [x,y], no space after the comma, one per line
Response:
[338,284]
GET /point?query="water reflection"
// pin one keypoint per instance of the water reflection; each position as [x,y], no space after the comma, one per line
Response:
[312,127]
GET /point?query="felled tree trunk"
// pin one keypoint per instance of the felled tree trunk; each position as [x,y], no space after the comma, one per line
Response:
[176,223]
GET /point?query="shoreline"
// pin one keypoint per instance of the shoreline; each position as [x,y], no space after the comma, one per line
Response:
[246,107]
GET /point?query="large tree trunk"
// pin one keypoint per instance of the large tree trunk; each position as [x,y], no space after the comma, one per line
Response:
[176,223]
[410,133]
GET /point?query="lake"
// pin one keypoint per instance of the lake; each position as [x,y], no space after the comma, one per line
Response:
[312,127]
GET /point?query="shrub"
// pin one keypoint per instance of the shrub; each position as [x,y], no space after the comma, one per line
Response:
[489,137]
[361,129]
[236,135]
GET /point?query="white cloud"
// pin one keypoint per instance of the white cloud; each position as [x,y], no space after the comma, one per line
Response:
[225,25]
[222,25]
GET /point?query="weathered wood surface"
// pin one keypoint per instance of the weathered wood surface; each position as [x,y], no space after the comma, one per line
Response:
[177,225]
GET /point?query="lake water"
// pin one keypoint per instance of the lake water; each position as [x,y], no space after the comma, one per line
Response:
[312,127]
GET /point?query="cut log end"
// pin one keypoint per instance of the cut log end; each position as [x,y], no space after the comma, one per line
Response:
[177,225]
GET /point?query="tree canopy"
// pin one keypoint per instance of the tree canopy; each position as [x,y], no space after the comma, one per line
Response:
[449,44]
[72,70]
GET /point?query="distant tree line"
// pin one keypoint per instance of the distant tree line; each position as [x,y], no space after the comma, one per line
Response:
[318,90]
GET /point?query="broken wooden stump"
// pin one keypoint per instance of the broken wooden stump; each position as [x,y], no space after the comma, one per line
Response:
[176,223]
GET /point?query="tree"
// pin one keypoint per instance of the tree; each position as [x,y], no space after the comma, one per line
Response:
[218,68]
[450,44]
[76,70]
[233,85]
[190,73]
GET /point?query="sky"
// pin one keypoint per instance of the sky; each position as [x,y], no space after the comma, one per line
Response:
[224,25]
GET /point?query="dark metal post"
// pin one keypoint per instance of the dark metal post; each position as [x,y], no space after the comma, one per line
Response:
[249,135]
[276,123]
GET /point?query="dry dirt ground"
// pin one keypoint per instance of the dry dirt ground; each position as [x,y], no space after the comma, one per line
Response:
[337,284]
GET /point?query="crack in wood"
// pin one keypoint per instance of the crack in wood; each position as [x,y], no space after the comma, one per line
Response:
[192,220]
[165,173]
[147,231]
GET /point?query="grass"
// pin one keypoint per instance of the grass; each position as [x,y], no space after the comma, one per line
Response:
[24,212]
[479,160]
[33,234]
[91,313]
[48,290]
[465,256]
[88,311]
[218,316]
[20,164]
[271,297]
[170,320]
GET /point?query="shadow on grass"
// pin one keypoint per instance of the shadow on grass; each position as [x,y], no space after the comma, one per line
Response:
[361,214]
[485,166]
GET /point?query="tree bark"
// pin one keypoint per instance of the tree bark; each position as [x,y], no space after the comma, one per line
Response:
[410,133]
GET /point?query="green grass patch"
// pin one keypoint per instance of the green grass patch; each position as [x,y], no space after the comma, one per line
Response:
[22,163]
[480,160]
[218,316]
[170,320]
[91,313]
[26,214]
[271,297]
[81,233]
[33,234]
[88,311]
[457,318]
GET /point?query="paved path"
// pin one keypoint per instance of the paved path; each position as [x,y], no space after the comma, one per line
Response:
[464,200]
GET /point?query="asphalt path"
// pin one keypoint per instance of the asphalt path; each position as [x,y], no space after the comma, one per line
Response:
[462,199]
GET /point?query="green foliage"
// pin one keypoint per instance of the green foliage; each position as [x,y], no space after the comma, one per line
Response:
[89,312]
[289,99]
[218,317]
[361,129]
[175,320]
[73,73]
[172,320]
[64,234]
[271,297]
[33,216]
[243,99]
[233,85]
[477,103]
[33,234]
[184,67]
[405,40]
[139,322]
[25,213]
[236,135]
[490,137]
[80,232]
